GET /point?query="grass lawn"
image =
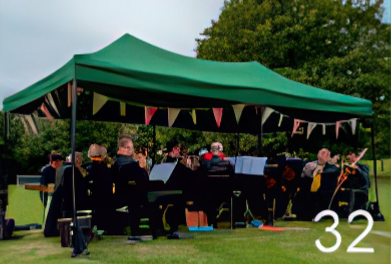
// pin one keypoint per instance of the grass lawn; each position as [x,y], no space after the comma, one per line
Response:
[220,246]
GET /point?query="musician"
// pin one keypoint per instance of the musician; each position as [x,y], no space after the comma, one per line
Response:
[315,191]
[186,160]
[60,171]
[216,190]
[102,188]
[82,197]
[142,153]
[130,180]
[359,173]
[124,156]
[182,178]
[216,152]
[49,173]
[322,164]
[174,152]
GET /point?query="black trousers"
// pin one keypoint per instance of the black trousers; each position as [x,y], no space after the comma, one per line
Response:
[134,207]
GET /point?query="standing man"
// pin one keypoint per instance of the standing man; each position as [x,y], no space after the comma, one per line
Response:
[49,173]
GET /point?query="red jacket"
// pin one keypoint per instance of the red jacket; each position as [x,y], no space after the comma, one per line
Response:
[209,155]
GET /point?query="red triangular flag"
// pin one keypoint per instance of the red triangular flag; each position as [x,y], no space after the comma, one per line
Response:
[149,112]
[295,126]
[218,113]
[46,111]
[337,126]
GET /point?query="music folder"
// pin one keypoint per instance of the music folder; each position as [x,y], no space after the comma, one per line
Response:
[250,165]
[162,171]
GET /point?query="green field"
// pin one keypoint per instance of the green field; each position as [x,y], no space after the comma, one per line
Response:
[249,245]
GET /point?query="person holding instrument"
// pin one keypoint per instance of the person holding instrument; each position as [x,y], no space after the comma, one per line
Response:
[358,173]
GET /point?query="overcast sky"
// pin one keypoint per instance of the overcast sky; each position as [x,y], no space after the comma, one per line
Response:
[39,36]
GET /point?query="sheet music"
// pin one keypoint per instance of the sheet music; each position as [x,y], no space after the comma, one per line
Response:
[231,160]
[162,171]
[250,165]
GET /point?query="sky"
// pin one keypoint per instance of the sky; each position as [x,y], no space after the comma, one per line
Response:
[38,37]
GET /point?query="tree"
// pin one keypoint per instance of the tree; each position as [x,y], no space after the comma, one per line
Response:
[336,45]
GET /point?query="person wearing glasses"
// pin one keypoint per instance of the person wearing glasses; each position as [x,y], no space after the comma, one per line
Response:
[174,152]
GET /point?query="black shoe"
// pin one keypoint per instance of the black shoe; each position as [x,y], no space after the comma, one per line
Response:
[146,238]
[133,239]
[173,236]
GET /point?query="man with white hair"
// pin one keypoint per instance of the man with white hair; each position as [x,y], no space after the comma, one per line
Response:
[216,152]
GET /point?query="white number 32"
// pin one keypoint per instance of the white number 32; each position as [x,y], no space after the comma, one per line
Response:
[337,235]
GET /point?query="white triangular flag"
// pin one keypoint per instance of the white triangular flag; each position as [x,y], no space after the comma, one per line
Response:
[337,126]
[238,109]
[280,122]
[52,103]
[26,128]
[324,129]
[267,111]
[172,115]
[194,116]
[353,123]
[98,102]
[122,106]
[218,113]
[310,127]
[32,124]
[37,121]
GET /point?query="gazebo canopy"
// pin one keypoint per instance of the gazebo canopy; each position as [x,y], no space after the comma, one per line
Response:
[130,74]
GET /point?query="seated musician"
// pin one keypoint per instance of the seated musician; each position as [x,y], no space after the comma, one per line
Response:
[359,173]
[214,161]
[315,191]
[181,178]
[124,156]
[218,183]
[102,188]
[186,160]
[141,153]
[322,164]
[216,152]
[174,152]
[353,183]
[130,179]
[82,197]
